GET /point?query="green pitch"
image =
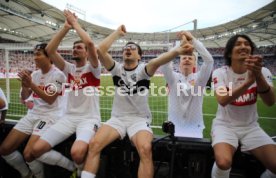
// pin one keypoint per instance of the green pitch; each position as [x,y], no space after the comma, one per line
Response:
[158,105]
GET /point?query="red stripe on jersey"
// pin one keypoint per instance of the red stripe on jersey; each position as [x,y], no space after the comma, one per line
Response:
[248,98]
[85,80]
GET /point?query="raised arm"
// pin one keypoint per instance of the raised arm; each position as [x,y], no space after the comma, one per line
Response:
[184,48]
[52,46]
[92,51]
[104,46]
[208,61]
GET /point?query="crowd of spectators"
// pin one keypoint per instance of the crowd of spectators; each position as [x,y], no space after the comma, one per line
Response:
[19,60]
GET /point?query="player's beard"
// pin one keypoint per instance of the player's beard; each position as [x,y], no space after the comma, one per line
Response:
[75,58]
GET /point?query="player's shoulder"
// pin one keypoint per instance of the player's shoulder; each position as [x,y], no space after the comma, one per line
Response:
[36,72]
[264,69]
[57,72]
[223,69]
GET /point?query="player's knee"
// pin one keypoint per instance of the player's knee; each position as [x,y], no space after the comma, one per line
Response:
[39,149]
[36,152]
[224,163]
[78,155]
[4,150]
[28,155]
[145,150]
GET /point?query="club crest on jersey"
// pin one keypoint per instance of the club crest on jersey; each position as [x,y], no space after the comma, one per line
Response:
[133,77]
[192,82]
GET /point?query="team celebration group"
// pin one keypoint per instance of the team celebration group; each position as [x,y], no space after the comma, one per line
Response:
[237,86]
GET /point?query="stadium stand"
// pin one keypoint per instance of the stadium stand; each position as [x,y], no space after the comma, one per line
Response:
[23,58]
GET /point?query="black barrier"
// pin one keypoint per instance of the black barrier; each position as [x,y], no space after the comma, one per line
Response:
[190,157]
[6,171]
[193,159]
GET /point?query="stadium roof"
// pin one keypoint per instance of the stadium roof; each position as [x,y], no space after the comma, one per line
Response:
[33,21]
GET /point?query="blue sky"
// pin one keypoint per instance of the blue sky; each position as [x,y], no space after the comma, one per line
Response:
[161,15]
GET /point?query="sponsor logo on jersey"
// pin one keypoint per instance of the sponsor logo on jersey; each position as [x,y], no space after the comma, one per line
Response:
[248,98]
[132,88]
[82,81]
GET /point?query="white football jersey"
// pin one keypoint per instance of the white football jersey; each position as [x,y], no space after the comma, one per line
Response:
[83,94]
[51,82]
[243,110]
[131,91]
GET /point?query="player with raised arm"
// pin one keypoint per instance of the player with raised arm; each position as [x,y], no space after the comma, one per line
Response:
[130,111]
[82,114]
[186,90]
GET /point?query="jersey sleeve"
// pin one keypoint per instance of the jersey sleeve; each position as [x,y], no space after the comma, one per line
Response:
[207,66]
[143,73]
[115,69]
[96,70]
[217,78]
[267,75]
[59,81]
[68,68]
[167,70]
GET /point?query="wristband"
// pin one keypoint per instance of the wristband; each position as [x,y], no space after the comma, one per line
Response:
[265,91]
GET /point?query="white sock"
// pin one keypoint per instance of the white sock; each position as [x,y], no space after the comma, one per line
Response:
[55,158]
[16,160]
[79,168]
[218,173]
[268,174]
[36,168]
[86,174]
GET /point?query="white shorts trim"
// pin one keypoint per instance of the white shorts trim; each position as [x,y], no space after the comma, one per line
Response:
[84,128]
[249,137]
[34,124]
